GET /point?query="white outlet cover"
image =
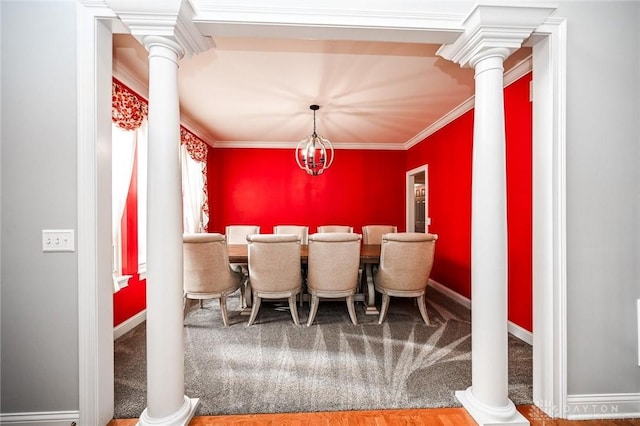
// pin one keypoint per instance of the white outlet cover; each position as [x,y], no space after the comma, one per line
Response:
[58,240]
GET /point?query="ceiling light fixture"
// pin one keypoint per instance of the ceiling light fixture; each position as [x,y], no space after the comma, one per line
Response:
[315,153]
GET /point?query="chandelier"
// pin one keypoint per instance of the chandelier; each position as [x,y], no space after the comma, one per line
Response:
[315,153]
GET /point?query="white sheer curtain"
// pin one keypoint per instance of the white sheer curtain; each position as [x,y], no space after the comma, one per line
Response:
[143,139]
[192,192]
[122,156]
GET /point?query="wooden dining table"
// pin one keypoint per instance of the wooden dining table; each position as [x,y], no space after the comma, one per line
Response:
[369,257]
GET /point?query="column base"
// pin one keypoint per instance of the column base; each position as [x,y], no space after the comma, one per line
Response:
[486,415]
[182,417]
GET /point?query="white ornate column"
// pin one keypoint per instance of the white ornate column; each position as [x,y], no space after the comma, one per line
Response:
[491,34]
[168,34]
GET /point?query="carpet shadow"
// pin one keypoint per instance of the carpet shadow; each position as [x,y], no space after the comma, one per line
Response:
[275,366]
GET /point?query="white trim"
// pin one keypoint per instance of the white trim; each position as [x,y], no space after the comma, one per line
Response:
[453,295]
[128,325]
[602,406]
[549,216]
[95,284]
[386,146]
[513,328]
[50,418]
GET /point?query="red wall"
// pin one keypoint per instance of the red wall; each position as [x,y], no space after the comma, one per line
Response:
[448,154]
[266,187]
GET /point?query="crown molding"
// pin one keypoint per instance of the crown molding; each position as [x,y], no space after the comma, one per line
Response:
[514,74]
[386,146]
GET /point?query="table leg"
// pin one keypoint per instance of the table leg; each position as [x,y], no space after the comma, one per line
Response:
[370,302]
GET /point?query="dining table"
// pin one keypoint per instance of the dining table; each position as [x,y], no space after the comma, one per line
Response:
[369,259]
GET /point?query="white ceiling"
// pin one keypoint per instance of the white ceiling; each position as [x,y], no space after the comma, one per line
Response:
[257,91]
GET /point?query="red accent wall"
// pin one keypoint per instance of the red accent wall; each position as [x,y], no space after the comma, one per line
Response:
[448,154]
[266,187]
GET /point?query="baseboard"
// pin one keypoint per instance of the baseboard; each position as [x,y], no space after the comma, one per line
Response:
[603,406]
[514,329]
[50,418]
[130,324]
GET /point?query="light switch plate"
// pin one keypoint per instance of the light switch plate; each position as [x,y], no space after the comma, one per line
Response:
[58,240]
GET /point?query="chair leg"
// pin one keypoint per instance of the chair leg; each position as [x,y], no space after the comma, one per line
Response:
[254,309]
[294,309]
[223,310]
[247,292]
[384,307]
[352,310]
[423,309]
[201,303]
[315,300]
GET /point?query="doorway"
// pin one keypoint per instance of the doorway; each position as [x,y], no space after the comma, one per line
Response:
[417,199]
[95,330]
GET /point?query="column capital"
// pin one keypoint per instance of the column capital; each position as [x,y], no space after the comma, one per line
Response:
[492,26]
[172,19]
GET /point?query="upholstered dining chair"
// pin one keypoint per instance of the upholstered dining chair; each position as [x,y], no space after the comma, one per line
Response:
[334,260]
[274,270]
[406,259]
[300,231]
[335,228]
[237,234]
[207,273]
[372,234]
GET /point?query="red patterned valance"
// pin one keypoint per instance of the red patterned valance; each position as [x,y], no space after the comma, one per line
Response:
[127,109]
[196,147]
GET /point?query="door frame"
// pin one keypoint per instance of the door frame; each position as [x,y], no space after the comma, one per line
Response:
[411,198]
[549,42]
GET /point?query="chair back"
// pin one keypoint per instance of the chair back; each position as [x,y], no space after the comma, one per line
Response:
[274,263]
[372,234]
[300,231]
[237,234]
[335,228]
[334,260]
[406,259]
[206,264]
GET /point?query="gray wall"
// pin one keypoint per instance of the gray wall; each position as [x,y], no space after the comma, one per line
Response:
[603,188]
[39,317]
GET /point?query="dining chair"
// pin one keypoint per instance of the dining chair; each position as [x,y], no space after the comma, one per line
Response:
[372,234]
[300,231]
[406,259]
[274,270]
[334,261]
[237,234]
[207,273]
[335,228]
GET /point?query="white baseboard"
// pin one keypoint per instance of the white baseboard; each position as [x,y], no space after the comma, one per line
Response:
[130,324]
[604,406]
[517,331]
[50,418]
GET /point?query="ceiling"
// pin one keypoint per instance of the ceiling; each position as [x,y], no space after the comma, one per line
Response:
[254,92]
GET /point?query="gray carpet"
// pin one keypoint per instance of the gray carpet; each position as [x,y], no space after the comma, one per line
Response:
[275,366]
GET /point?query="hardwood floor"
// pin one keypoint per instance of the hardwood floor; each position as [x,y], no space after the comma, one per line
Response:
[430,417]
